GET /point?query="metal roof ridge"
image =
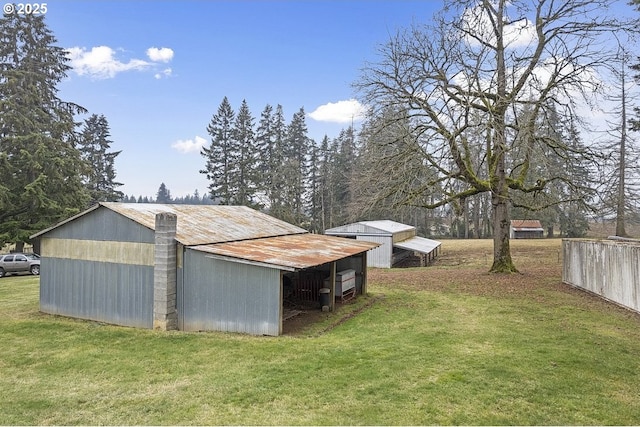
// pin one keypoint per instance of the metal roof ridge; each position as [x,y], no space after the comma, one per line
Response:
[247,239]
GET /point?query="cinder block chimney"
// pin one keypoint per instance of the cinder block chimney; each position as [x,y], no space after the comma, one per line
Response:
[165,316]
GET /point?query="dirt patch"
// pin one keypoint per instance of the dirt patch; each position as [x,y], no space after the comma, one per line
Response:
[308,317]
[297,324]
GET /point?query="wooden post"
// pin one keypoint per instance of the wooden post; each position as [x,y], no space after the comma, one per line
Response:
[332,286]
[364,273]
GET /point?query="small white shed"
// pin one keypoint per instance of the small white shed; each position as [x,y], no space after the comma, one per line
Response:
[397,241]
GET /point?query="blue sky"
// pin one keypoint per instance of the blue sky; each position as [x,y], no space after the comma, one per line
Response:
[158,70]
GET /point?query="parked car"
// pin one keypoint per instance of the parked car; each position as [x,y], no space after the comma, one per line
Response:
[19,263]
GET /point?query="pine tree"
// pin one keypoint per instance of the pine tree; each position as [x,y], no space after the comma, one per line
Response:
[94,145]
[264,144]
[243,172]
[343,173]
[220,156]
[270,141]
[315,181]
[325,189]
[163,195]
[295,169]
[40,168]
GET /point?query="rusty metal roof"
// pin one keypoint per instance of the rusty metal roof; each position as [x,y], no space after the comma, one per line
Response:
[201,224]
[526,224]
[292,252]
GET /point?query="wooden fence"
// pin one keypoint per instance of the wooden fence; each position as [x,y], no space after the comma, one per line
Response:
[609,268]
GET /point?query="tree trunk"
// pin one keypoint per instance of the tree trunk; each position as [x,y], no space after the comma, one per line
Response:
[487,229]
[476,217]
[620,205]
[502,262]
[465,217]
[500,198]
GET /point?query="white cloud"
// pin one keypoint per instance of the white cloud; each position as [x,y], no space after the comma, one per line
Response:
[165,73]
[164,54]
[189,145]
[339,112]
[518,34]
[101,63]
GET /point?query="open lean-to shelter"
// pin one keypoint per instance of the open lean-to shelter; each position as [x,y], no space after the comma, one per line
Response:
[397,241]
[192,268]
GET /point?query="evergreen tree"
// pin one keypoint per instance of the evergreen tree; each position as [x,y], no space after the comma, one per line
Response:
[267,157]
[389,176]
[343,173]
[277,163]
[40,167]
[94,145]
[295,169]
[243,172]
[564,200]
[220,156]
[270,136]
[163,195]
[315,190]
[326,190]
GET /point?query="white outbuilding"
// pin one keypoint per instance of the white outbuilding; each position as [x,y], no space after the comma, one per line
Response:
[397,241]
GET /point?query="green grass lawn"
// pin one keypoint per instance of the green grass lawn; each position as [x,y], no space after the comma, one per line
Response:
[447,344]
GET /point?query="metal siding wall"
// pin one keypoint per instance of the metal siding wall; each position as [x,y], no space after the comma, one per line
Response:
[609,269]
[226,296]
[105,292]
[179,285]
[104,224]
[381,256]
[117,293]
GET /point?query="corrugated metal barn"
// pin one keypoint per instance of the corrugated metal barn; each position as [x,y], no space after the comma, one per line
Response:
[397,241]
[193,268]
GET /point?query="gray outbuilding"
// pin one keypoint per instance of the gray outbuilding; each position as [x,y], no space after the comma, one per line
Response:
[397,241]
[193,268]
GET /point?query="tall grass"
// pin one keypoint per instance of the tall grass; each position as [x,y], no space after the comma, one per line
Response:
[447,344]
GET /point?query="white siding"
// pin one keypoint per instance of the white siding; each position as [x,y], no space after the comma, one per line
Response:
[381,256]
[609,269]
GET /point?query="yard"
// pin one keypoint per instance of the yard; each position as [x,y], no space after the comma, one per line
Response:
[446,344]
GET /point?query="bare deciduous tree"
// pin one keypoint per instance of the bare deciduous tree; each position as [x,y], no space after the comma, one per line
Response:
[467,78]
[620,169]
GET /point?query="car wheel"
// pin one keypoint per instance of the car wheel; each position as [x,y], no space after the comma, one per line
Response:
[1,272]
[35,270]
